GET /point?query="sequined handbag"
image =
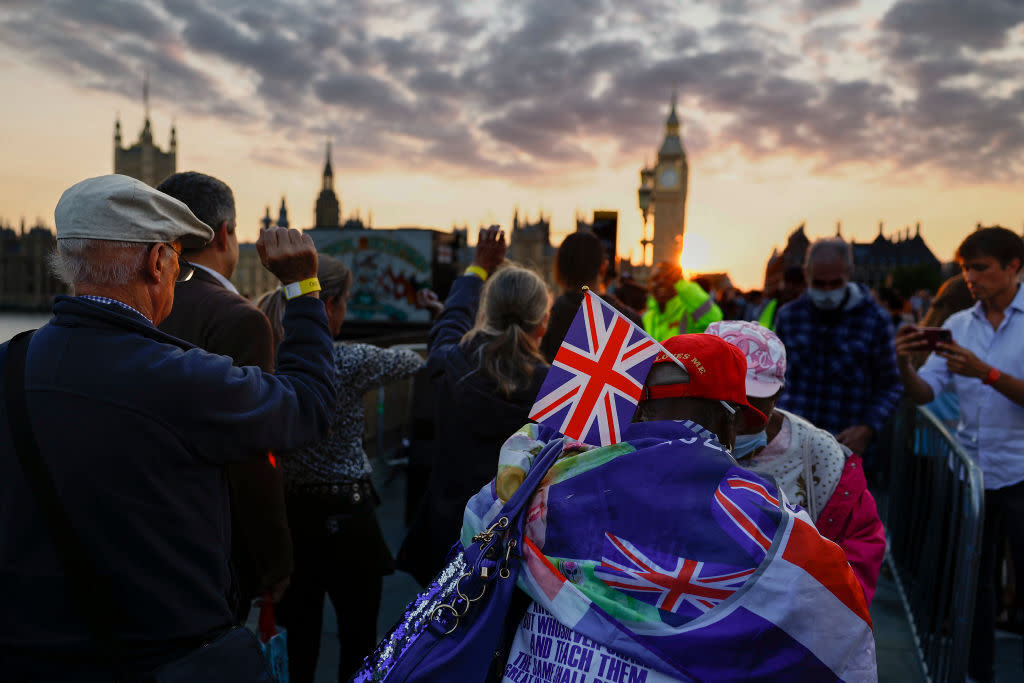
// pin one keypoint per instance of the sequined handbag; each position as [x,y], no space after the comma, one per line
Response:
[453,630]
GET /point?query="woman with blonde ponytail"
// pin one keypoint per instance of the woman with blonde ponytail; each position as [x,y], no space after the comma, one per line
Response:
[486,368]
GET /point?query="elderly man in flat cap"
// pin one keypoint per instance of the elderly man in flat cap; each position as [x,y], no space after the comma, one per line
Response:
[114,520]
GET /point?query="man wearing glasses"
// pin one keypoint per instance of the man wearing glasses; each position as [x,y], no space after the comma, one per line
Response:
[133,427]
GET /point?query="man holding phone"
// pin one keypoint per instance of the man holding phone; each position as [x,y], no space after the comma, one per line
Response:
[984,363]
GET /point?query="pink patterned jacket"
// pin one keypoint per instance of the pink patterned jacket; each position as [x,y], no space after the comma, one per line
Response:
[850,519]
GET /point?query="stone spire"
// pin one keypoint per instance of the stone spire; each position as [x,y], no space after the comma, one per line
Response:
[327,212]
[672,123]
[282,216]
[672,146]
[328,171]
[147,127]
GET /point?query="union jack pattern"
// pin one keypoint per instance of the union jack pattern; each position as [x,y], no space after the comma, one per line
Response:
[690,587]
[748,512]
[597,377]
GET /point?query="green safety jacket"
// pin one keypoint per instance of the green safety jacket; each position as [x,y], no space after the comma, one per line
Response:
[690,310]
[767,317]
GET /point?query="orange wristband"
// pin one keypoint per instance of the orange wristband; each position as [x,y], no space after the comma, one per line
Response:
[993,376]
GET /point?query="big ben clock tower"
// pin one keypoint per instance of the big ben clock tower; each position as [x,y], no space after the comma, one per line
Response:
[668,195]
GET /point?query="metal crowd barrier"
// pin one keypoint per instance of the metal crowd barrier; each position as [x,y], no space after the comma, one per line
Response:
[393,408]
[933,520]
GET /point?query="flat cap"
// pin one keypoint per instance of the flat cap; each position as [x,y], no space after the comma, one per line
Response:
[123,209]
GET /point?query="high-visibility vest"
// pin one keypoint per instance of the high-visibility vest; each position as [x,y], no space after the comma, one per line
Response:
[767,318]
[690,310]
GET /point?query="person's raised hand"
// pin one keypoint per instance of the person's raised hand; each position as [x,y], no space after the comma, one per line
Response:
[427,299]
[490,248]
[288,254]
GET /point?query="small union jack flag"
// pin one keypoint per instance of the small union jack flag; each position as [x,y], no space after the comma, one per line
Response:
[689,587]
[597,377]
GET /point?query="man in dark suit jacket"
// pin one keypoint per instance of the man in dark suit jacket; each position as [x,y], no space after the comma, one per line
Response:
[210,313]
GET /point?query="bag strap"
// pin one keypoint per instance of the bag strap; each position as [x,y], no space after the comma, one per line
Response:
[87,589]
[518,501]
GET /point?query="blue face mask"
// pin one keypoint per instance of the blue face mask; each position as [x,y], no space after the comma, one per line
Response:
[748,443]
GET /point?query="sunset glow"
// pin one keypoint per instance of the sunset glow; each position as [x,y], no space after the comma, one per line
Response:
[458,113]
[696,255]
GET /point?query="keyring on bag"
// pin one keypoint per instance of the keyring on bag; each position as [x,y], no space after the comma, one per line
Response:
[437,610]
[458,588]
[504,572]
[485,537]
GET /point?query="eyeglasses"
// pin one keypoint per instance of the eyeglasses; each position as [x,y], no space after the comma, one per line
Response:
[185,269]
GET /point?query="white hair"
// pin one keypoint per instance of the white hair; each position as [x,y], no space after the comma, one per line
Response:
[76,261]
[828,249]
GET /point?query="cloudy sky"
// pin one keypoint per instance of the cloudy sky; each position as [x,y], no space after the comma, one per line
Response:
[457,112]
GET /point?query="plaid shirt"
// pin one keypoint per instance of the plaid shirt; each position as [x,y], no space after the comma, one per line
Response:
[840,367]
[114,302]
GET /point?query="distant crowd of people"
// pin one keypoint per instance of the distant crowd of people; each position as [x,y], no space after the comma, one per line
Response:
[184,451]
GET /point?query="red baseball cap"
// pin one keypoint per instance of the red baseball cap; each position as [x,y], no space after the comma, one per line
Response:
[717,370]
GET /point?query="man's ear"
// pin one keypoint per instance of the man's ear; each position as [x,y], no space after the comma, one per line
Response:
[154,264]
[220,235]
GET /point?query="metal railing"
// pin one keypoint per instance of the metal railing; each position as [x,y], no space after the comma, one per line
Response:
[934,519]
[401,400]
[388,412]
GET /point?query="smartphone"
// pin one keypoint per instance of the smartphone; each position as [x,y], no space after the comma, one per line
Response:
[934,335]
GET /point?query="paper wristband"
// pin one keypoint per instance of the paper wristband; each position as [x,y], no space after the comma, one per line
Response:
[478,271]
[297,289]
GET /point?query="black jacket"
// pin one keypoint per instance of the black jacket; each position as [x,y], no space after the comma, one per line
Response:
[135,427]
[473,418]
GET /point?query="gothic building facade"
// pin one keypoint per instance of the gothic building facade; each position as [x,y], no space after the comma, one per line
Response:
[530,246]
[144,160]
[327,213]
[25,279]
[873,262]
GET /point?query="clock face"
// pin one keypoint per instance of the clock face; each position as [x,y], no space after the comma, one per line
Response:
[668,178]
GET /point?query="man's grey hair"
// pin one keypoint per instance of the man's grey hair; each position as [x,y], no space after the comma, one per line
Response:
[78,261]
[829,249]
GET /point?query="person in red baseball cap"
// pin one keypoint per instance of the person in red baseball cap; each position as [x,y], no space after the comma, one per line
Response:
[701,378]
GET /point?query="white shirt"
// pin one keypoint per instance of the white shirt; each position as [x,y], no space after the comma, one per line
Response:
[217,276]
[991,427]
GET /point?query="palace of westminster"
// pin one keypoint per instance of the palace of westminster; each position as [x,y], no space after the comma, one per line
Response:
[26,283]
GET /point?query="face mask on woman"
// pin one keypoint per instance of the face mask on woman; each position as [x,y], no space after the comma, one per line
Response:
[827,299]
[748,443]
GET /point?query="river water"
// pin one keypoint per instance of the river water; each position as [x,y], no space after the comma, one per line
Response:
[13,322]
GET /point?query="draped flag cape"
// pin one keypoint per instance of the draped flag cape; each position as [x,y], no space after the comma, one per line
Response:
[662,548]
